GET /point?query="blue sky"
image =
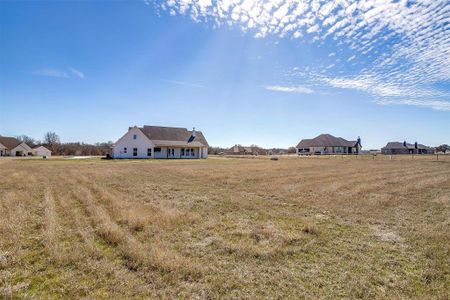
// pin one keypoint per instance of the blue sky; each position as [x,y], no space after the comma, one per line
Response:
[249,72]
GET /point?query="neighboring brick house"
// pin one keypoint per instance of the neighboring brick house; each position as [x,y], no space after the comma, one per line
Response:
[328,144]
[406,148]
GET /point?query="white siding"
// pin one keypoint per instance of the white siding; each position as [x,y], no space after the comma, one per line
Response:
[42,151]
[162,154]
[23,148]
[205,152]
[142,143]
[2,150]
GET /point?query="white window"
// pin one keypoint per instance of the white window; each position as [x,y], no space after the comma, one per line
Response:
[125,150]
[182,152]
[134,136]
[192,152]
[149,152]
[134,151]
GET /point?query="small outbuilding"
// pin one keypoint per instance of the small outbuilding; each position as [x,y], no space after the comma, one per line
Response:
[41,151]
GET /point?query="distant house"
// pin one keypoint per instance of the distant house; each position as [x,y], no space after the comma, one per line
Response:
[328,144]
[406,148]
[245,150]
[10,146]
[41,151]
[161,142]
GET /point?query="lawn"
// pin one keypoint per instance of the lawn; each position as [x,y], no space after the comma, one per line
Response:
[225,228]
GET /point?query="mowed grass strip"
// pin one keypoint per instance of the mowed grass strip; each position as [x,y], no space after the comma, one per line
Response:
[225,228]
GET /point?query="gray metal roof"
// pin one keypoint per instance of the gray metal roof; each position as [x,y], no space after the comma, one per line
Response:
[174,136]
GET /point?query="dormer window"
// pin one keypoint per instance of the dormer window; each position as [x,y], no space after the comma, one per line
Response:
[134,136]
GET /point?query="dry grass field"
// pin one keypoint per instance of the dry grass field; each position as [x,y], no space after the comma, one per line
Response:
[225,228]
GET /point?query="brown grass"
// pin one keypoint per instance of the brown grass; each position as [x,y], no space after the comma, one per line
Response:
[225,228]
[311,228]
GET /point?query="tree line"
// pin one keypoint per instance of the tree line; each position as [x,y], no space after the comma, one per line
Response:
[255,150]
[52,142]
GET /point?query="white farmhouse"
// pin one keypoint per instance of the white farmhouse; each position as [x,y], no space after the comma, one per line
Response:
[161,142]
[10,146]
[41,151]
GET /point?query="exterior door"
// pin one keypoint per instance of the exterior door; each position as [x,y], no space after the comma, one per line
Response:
[170,152]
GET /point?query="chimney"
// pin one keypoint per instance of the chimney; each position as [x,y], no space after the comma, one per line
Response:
[404,144]
[416,145]
[359,141]
[193,132]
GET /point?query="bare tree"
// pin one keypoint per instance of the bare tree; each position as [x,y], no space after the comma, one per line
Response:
[291,150]
[27,140]
[51,139]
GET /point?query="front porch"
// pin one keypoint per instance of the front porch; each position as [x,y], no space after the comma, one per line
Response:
[178,152]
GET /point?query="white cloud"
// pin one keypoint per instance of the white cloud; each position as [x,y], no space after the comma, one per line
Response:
[365,84]
[413,37]
[289,89]
[51,73]
[434,104]
[60,73]
[183,83]
[76,73]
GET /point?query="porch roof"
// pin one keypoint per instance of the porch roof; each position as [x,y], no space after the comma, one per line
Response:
[161,143]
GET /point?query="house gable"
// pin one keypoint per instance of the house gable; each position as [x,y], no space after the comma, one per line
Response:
[134,138]
[24,148]
[42,148]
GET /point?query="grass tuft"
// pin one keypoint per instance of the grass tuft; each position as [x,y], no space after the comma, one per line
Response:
[311,228]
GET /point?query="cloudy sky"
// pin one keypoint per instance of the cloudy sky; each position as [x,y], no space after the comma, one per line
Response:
[242,71]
